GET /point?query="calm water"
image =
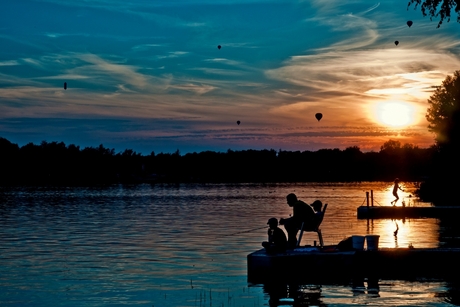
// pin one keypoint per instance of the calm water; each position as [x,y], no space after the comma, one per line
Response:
[186,245]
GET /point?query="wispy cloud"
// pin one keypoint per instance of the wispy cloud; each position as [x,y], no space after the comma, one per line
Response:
[371,8]
[362,71]
[198,89]
[54,35]
[172,54]
[99,66]
[222,72]
[147,46]
[9,63]
[224,61]
[33,62]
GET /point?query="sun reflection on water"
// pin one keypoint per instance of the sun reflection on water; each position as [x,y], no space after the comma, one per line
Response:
[402,233]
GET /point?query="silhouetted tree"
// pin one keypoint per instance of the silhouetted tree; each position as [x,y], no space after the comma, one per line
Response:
[437,8]
[353,164]
[443,114]
[391,146]
[8,155]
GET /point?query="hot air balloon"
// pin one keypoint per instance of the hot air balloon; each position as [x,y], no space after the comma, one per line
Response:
[238,122]
[65,85]
[409,23]
[218,47]
[396,43]
[318,116]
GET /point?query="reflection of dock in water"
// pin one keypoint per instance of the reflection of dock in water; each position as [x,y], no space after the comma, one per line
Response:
[385,212]
[292,294]
[330,265]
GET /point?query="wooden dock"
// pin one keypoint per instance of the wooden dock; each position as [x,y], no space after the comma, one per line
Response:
[385,212]
[326,265]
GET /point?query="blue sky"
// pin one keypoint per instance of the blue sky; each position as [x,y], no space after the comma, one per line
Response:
[148,76]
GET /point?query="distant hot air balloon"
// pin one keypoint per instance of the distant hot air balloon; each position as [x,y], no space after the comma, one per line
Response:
[219,46]
[65,85]
[238,122]
[396,43]
[318,116]
[409,23]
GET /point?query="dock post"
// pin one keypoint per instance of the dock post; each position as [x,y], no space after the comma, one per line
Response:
[372,198]
[367,199]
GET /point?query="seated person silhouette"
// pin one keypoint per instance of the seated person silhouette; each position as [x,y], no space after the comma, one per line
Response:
[277,241]
[317,206]
[302,213]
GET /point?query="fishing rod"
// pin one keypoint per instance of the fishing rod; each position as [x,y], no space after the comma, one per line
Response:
[244,231]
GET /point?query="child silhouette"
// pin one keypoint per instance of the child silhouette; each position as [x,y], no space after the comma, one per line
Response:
[395,192]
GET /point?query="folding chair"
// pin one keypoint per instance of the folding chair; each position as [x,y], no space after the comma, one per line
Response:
[316,229]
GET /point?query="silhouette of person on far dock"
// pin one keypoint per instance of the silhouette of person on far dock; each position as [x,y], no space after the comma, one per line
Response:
[396,187]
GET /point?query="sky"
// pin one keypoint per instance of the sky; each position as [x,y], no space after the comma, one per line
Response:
[149,76]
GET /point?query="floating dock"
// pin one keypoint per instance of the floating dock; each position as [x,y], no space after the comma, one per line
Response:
[327,264]
[399,212]
[385,212]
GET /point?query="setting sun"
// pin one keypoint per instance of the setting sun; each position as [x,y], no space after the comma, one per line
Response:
[395,114]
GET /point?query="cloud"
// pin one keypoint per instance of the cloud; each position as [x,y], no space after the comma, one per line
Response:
[54,35]
[147,46]
[9,63]
[371,8]
[224,61]
[222,72]
[172,54]
[99,66]
[33,62]
[364,71]
[198,89]
[195,24]
[67,76]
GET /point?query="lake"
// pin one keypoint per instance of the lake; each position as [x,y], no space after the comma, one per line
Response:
[186,244]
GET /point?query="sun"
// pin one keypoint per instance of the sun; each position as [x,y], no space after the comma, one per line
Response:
[394,113]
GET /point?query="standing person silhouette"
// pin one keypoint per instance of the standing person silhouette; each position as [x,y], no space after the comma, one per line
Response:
[395,191]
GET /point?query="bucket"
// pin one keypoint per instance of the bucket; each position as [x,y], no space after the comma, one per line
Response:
[358,242]
[372,242]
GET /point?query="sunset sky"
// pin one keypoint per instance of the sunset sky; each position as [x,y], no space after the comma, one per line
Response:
[148,75]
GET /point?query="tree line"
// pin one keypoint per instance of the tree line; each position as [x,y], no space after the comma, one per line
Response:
[54,163]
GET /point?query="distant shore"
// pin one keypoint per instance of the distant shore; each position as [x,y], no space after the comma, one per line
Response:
[59,164]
